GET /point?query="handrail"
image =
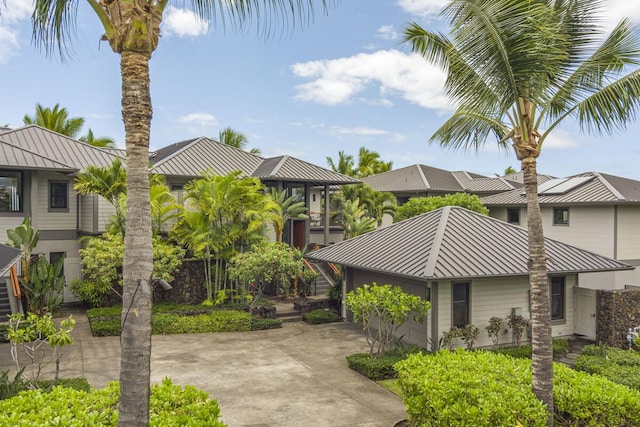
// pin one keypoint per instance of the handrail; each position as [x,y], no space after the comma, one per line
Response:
[15,285]
[308,265]
[335,269]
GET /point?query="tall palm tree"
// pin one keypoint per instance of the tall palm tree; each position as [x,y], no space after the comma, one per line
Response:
[516,70]
[369,163]
[132,29]
[344,165]
[56,119]
[377,203]
[355,219]
[103,142]
[235,139]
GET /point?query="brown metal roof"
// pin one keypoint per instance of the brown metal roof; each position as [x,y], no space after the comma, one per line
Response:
[452,243]
[57,147]
[600,189]
[190,158]
[287,168]
[12,157]
[482,184]
[8,257]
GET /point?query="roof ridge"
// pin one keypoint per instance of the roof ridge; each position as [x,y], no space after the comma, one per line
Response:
[425,181]
[180,150]
[437,242]
[609,186]
[33,153]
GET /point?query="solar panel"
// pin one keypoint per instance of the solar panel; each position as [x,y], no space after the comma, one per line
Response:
[567,185]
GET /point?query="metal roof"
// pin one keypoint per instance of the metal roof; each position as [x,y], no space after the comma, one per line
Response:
[8,257]
[57,147]
[452,243]
[519,177]
[190,158]
[600,189]
[287,168]
[422,178]
[12,157]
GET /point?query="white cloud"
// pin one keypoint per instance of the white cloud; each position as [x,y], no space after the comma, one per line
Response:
[559,139]
[393,72]
[618,9]
[183,23]
[202,120]
[422,7]
[358,130]
[387,32]
[13,11]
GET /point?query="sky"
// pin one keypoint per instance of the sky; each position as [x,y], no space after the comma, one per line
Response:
[342,82]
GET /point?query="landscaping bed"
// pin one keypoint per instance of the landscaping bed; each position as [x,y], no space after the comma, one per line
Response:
[182,319]
[618,365]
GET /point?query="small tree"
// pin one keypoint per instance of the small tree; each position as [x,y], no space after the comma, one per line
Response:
[24,237]
[518,324]
[44,285]
[381,310]
[469,335]
[419,205]
[493,329]
[448,337]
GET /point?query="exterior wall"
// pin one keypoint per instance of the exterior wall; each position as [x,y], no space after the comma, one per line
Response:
[42,217]
[617,311]
[106,211]
[71,261]
[87,211]
[629,234]
[316,235]
[609,280]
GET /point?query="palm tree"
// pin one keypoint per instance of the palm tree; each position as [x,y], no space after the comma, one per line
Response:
[235,139]
[102,142]
[286,208]
[369,163]
[355,219]
[344,166]
[132,29]
[516,70]
[55,119]
[377,203]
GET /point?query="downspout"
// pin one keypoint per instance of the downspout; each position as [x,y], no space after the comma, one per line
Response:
[615,232]
[326,214]
[434,316]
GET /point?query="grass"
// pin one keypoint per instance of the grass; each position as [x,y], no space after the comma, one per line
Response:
[391,385]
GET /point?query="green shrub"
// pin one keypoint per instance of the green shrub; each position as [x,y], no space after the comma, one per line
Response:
[106,328]
[10,387]
[380,368]
[171,405]
[613,354]
[560,348]
[617,365]
[487,389]
[261,323]
[321,315]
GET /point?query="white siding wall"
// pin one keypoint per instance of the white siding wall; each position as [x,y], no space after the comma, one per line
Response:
[610,279]
[106,211]
[496,297]
[86,213]
[42,218]
[71,262]
[628,233]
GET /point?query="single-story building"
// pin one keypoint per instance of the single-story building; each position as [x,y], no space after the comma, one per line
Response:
[471,267]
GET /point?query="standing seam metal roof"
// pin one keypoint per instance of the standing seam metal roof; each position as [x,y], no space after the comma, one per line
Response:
[453,242]
[287,168]
[12,157]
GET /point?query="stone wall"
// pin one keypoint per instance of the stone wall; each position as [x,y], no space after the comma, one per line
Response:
[188,285]
[617,311]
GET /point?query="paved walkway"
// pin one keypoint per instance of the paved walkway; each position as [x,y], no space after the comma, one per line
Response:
[294,376]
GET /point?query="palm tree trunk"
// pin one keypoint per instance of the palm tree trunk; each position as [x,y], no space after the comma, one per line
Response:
[135,340]
[542,353]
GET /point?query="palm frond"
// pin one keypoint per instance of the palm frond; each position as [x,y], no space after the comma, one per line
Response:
[468,130]
[54,25]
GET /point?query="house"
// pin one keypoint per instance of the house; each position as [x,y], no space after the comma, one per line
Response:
[38,166]
[425,181]
[594,211]
[9,296]
[471,267]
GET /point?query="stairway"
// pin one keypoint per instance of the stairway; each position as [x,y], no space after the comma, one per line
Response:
[323,282]
[5,305]
[286,313]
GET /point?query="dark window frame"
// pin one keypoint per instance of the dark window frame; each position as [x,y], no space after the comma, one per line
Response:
[51,199]
[513,211]
[10,174]
[461,307]
[54,257]
[561,219]
[558,299]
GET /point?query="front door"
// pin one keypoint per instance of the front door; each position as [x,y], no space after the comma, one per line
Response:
[298,240]
[585,311]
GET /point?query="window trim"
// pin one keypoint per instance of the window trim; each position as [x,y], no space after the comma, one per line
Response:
[562,319]
[467,303]
[555,217]
[50,193]
[509,216]
[20,190]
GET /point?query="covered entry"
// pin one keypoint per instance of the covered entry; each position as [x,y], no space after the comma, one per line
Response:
[585,312]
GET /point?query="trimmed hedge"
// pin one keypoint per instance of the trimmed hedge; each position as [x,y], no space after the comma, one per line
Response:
[171,405]
[486,389]
[560,348]
[322,315]
[381,368]
[617,365]
[106,322]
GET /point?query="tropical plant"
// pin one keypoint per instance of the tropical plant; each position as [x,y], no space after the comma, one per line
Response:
[344,165]
[44,285]
[509,171]
[377,203]
[285,209]
[369,163]
[102,142]
[34,334]
[494,328]
[469,335]
[56,119]
[517,70]
[355,220]
[24,237]
[381,310]
[419,205]
[132,30]
[235,139]
[448,338]
[518,324]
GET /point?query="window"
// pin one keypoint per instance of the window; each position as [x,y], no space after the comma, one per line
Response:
[10,191]
[513,215]
[461,304]
[561,216]
[54,257]
[58,195]
[177,187]
[557,298]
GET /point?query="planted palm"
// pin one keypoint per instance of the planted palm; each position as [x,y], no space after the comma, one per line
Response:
[515,71]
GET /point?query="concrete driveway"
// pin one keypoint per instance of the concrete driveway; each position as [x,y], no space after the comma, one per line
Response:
[295,376]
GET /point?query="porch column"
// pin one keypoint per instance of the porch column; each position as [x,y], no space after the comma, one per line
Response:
[326,214]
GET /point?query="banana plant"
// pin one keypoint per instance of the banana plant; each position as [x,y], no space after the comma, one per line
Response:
[43,288]
[24,237]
